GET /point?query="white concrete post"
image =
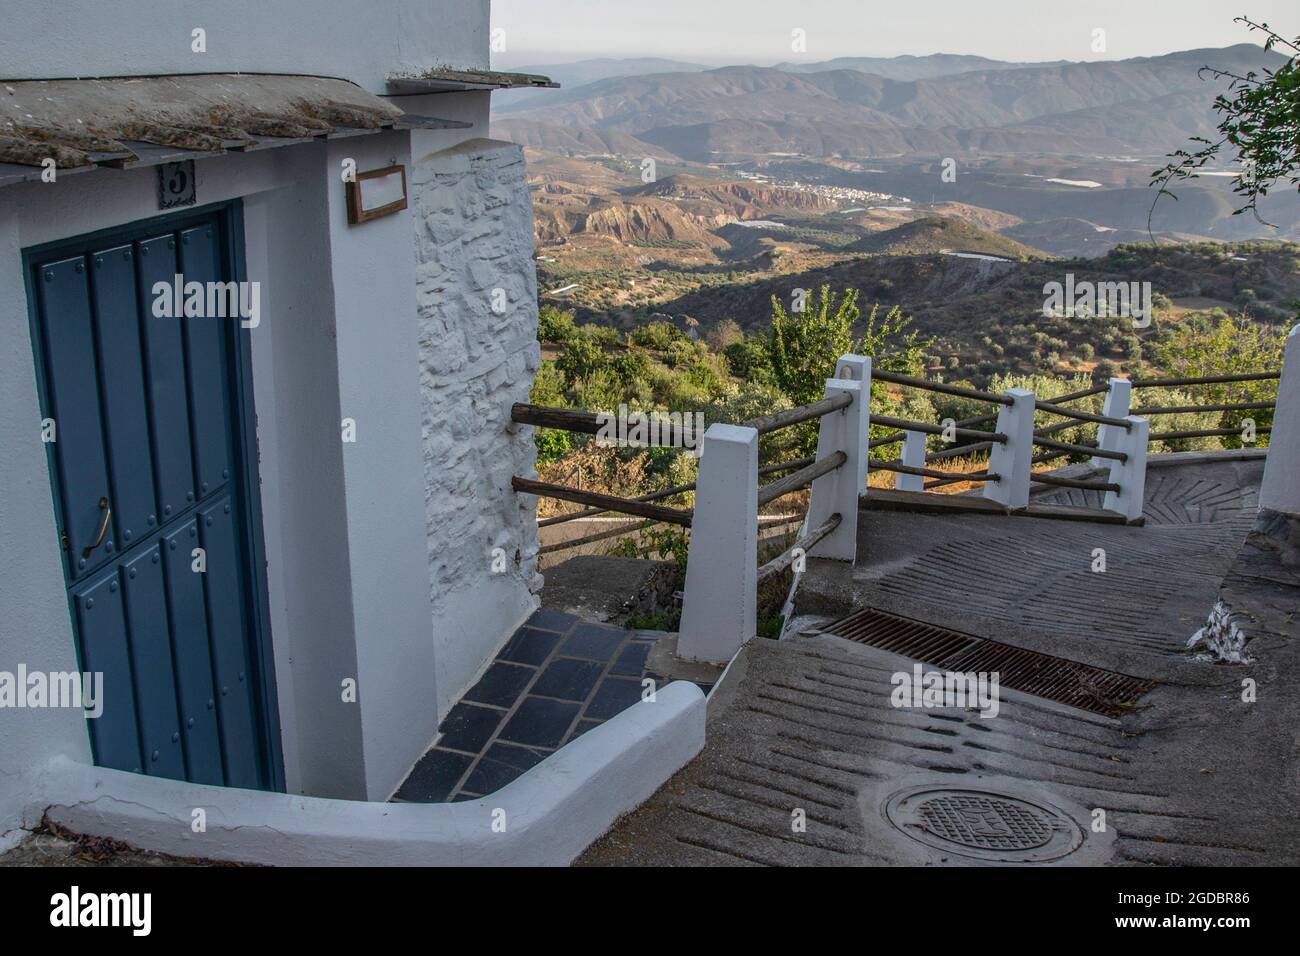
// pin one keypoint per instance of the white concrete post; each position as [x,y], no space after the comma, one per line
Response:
[837,492]
[1118,396]
[1131,474]
[719,609]
[1011,461]
[1280,490]
[914,456]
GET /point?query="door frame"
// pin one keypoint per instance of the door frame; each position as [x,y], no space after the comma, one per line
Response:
[230,223]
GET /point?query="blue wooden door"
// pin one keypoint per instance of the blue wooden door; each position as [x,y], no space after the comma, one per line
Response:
[149,470]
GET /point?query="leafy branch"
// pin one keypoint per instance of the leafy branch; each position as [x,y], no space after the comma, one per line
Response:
[1259,120]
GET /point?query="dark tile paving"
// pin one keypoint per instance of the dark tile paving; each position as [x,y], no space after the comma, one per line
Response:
[592,642]
[554,680]
[529,646]
[468,727]
[613,696]
[631,659]
[540,722]
[435,776]
[500,764]
[568,679]
[501,685]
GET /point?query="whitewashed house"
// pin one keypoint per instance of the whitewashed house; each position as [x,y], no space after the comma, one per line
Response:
[275,515]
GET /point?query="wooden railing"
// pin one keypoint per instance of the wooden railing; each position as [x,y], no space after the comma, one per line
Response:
[718,613]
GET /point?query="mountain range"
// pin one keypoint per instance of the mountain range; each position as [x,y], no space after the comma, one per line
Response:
[867,107]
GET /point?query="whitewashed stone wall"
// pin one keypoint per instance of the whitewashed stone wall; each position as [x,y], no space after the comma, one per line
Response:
[474,231]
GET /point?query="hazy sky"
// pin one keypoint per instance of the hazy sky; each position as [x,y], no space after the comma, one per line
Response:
[759,31]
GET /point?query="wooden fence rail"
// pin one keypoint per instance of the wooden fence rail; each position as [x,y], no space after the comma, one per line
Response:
[641,509]
[804,544]
[801,478]
[793,416]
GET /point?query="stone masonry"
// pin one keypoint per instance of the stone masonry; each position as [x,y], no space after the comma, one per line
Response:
[477,296]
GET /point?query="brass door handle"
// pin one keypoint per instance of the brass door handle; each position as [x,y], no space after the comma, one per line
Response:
[103,528]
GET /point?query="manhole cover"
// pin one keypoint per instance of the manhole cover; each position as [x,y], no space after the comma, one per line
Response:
[984,824]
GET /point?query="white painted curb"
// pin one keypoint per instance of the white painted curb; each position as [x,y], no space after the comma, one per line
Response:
[550,814]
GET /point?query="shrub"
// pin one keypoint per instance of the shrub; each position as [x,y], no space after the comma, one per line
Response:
[554,325]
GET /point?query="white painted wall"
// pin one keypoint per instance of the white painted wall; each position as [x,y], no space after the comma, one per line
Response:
[35,628]
[474,235]
[1280,490]
[344,524]
[375,569]
[296,394]
[373,272]
[304,503]
[361,42]
[546,817]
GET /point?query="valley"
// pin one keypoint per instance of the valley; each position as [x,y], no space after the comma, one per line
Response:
[954,188]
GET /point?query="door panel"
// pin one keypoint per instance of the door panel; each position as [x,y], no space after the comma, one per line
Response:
[151,653]
[206,355]
[188,612]
[112,274]
[104,649]
[148,447]
[229,642]
[74,405]
[168,398]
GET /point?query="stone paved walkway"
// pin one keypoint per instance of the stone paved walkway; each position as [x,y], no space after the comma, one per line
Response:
[554,680]
[810,761]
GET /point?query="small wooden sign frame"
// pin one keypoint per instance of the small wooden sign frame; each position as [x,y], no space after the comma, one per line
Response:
[358,214]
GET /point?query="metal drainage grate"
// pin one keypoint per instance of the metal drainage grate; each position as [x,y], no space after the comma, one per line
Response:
[1054,678]
[984,824]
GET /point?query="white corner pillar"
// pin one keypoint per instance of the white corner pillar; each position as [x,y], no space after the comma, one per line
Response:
[1130,474]
[913,457]
[719,609]
[1012,460]
[1280,490]
[1119,394]
[846,430]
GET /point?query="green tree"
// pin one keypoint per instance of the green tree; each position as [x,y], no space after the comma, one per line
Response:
[802,347]
[1259,121]
[657,335]
[1229,347]
[748,360]
[548,389]
[554,325]
[579,360]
